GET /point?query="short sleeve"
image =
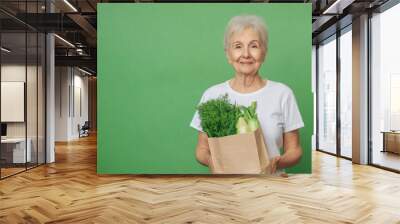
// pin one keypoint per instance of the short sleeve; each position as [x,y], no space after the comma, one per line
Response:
[291,114]
[196,121]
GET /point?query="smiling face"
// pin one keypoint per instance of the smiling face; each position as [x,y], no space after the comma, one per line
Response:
[245,52]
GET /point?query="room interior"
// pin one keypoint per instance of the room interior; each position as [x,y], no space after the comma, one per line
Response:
[49,91]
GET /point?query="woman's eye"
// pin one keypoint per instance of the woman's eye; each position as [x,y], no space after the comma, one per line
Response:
[237,46]
[254,46]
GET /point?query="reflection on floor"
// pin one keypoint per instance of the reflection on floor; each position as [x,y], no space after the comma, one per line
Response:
[71,191]
[386,159]
[10,169]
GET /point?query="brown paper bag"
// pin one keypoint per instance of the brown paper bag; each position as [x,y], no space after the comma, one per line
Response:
[239,154]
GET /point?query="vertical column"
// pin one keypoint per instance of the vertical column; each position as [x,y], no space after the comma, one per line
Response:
[360,90]
[92,99]
[314,91]
[62,103]
[50,92]
[338,91]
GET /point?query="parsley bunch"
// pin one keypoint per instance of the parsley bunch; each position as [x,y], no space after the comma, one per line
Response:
[219,117]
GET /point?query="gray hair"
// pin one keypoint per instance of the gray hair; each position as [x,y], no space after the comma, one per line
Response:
[239,23]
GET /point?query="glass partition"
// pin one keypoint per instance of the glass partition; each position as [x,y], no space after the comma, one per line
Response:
[22,77]
[32,95]
[385,89]
[327,95]
[14,153]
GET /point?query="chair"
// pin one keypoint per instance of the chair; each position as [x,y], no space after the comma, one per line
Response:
[84,130]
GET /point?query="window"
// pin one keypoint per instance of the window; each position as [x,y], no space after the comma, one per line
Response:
[327,95]
[385,87]
[346,92]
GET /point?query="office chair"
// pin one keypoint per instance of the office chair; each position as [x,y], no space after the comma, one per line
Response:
[84,130]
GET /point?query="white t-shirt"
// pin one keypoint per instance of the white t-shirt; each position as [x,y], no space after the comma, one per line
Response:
[277,110]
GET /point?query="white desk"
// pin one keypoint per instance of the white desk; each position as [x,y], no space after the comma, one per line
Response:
[19,149]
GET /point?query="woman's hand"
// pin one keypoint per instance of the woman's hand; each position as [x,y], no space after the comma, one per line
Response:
[210,164]
[274,164]
[292,152]
[202,149]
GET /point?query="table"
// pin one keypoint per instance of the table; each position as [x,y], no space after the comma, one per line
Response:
[17,150]
[391,141]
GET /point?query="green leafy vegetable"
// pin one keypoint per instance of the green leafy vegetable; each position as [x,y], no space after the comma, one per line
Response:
[219,117]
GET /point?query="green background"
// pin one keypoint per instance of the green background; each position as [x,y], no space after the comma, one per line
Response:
[156,60]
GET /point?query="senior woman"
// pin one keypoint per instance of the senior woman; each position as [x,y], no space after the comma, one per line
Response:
[246,47]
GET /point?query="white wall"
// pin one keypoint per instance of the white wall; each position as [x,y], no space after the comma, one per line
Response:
[62,81]
[13,72]
[80,83]
[70,83]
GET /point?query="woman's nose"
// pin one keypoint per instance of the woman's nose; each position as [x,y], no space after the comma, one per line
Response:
[245,52]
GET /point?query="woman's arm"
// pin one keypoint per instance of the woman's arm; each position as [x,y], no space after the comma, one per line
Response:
[292,151]
[202,149]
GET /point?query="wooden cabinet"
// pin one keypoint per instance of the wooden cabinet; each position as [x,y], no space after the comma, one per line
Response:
[391,142]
